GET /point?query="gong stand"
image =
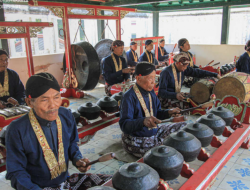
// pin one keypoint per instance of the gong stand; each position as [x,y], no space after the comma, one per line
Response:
[66,11]
[141,42]
[24,30]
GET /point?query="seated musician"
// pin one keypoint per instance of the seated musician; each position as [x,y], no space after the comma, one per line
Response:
[184,46]
[115,69]
[243,64]
[132,56]
[140,112]
[162,53]
[10,84]
[148,55]
[41,143]
[171,79]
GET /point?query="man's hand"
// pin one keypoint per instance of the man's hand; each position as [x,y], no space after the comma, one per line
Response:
[81,165]
[218,76]
[174,112]
[2,106]
[128,80]
[180,96]
[151,122]
[127,70]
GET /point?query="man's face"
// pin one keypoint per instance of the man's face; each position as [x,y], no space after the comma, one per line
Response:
[118,50]
[4,60]
[162,44]
[134,47]
[150,46]
[147,82]
[46,106]
[181,67]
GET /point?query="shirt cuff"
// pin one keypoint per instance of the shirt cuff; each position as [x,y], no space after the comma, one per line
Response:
[76,159]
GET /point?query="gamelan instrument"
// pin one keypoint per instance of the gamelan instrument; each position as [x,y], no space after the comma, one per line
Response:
[235,84]
[9,114]
[203,106]
[202,90]
[85,64]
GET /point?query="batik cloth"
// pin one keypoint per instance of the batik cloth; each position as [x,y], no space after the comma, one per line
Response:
[173,103]
[138,146]
[82,181]
[108,89]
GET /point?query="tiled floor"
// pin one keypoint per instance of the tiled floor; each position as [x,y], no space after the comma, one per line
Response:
[235,175]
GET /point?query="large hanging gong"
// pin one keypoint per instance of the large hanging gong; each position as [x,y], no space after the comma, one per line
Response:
[85,64]
[103,50]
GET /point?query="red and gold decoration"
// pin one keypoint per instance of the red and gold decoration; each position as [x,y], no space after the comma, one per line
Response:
[150,59]
[177,83]
[142,102]
[56,168]
[4,90]
[117,67]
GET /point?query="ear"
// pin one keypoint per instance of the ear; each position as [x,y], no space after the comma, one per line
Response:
[29,103]
[137,78]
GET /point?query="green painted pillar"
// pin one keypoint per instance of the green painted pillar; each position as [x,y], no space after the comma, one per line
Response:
[156,23]
[225,24]
[100,28]
[4,42]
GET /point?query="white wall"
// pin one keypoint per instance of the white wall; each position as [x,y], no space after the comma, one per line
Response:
[206,53]
[52,63]
[44,63]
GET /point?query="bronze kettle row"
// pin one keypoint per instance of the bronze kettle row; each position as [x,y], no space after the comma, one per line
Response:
[91,110]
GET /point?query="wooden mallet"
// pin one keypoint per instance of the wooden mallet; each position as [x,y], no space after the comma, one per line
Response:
[103,158]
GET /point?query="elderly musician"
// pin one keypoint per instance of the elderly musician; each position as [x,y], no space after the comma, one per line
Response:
[140,112]
[41,143]
[11,87]
[171,79]
[114,67]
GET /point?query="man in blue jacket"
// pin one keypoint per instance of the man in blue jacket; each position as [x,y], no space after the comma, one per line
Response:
[41,143]
[140,113]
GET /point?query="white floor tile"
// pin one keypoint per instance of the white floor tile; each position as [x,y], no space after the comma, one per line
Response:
[234,183]
[116,164]
[107,170]
[240,171]
[227,167]
[244,160]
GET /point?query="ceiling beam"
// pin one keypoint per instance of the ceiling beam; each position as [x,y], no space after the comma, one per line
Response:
[133,2]
[202,5]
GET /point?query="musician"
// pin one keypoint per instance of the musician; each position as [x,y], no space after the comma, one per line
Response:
[140,112]
[132,56]
[148,55]
[40,144]
[115,69]
[184,46]
[171,79]
[243,64]
[10,83]
[162,53]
